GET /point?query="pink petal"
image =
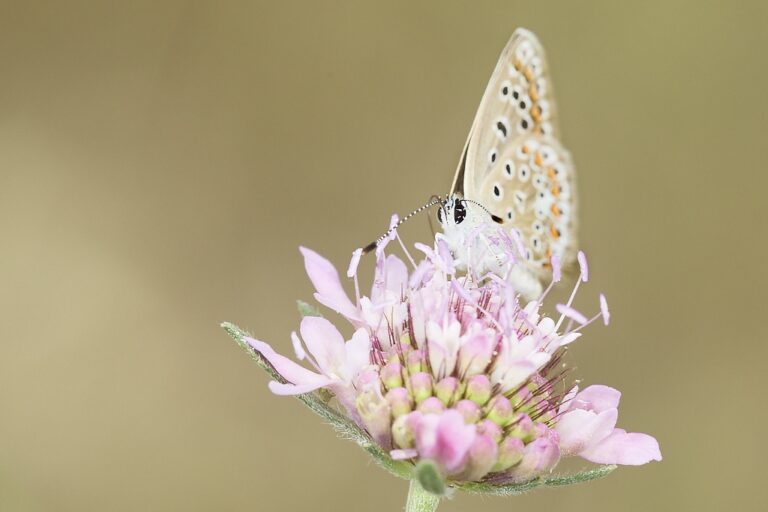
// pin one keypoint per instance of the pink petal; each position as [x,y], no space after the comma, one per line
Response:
[358,351]
[391,276]
[326,281]
[408,453]
[620,447]
[324,342]
[290,371]
[297,348]
[291,389]
[580,430]
[539,456]
[454,439]
[354,262]
[443,438]
[597,398]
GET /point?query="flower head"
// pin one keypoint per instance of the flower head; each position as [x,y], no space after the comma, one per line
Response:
[451,368]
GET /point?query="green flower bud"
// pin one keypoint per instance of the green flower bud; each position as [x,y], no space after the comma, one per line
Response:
[478,389]
[421,386]
[399,401]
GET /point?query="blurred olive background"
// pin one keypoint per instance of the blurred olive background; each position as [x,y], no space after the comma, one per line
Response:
[160,163]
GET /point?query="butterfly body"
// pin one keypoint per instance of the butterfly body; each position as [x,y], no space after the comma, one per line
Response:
[514,165]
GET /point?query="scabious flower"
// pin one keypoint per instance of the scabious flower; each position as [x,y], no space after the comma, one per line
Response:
[452,371]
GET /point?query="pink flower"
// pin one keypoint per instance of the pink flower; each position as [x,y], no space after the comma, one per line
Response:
[587,428]
[448,367]
[337,362]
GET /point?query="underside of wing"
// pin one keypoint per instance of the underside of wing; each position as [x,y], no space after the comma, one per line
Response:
[517,102]
[534,191]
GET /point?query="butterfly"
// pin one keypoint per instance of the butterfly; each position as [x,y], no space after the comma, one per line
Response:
[514,172]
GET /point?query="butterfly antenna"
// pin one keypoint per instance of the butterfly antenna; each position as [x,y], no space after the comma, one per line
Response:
[495,218]
[371,246]
[429,218]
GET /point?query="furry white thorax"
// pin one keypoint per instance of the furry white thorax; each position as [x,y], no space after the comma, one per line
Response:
[478,245]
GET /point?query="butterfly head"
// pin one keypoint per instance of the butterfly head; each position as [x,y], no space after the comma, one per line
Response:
[456,211]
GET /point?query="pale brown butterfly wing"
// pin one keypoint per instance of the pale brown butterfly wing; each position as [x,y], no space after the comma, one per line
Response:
[533,190]
[513,163]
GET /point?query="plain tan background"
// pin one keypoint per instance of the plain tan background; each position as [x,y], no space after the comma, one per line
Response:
[160,162]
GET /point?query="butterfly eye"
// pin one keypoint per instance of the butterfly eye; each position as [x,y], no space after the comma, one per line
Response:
[459,212]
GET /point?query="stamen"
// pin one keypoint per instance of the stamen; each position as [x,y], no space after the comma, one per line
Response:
[583,266]
[604,309]
[571,313]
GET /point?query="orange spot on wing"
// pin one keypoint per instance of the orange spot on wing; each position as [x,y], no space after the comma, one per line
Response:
[555,210]
[533,93]
[528,74]
[554,232]
[536,113]
[525,149]
[538,159]
[556,190]
[551,172]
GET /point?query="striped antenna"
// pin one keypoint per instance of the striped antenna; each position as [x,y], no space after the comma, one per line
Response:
[371,246]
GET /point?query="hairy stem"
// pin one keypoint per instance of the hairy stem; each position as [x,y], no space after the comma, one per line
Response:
[420,500]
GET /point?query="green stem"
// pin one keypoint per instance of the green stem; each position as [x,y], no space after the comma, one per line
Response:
[420,500]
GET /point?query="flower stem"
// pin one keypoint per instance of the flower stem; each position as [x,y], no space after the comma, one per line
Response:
[420,500]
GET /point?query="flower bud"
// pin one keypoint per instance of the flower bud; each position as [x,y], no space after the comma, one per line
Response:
[482,457]
[478,389]
[500,411]
[510,453]
[522,428]
[490,429]
[413,361]
[431,405]
[469,410]
[402,434]
[392,375]
[538,457]
[374,410]
[399,401]
[521,398]
[421,386]
[446,390]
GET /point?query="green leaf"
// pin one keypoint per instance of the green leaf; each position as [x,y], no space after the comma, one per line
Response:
[318,403]
[307,309]
[513,489]
[429,477]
